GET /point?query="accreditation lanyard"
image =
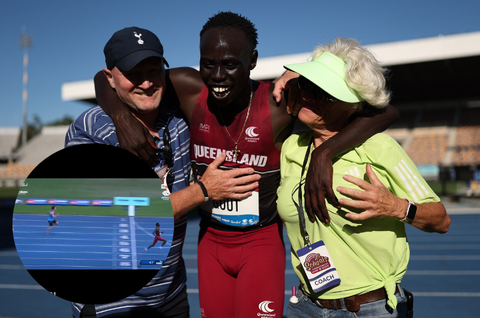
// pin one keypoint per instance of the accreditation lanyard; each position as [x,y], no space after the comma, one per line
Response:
[298,188]
[314,258]
[168,157]
[299,205]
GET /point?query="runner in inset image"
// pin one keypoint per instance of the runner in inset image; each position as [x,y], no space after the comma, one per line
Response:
[52,218]
[157,233]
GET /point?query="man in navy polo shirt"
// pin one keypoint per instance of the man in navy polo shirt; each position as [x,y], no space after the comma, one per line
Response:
[135,70]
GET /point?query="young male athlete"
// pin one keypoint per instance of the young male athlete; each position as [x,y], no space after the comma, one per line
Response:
[52,215]
[156,233]
[135,70]
[241,256]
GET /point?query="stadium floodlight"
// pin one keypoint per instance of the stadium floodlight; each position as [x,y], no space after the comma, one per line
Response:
[25,44]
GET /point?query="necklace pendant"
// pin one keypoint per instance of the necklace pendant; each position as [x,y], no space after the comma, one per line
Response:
[235,152]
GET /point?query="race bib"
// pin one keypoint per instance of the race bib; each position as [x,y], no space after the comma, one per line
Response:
[235,212]
[318,266]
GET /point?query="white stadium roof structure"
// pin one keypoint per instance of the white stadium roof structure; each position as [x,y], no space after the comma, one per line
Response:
[434,69]
[435,84]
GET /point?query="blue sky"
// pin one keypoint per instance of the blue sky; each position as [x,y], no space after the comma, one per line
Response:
[68,36]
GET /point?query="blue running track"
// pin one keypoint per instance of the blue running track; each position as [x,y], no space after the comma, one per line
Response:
[443,274]
[90,242]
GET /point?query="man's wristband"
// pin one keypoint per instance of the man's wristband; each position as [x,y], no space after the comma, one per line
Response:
[411,212]
[205,193]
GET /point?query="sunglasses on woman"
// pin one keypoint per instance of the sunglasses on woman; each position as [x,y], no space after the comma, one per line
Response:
[320,95]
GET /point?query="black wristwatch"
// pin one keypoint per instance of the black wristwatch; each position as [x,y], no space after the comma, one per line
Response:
[411,212]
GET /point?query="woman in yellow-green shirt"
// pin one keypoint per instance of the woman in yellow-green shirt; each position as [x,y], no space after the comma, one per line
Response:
[351,266]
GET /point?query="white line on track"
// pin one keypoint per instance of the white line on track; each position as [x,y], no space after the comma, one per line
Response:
[9,266]
[18,286]
[445,257]
[446,294]
[442,273]
[133,241]
[444,247]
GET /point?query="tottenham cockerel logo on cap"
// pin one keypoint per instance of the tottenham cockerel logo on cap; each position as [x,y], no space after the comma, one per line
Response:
[139,36]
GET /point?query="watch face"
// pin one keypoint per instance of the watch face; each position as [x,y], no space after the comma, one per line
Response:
[91,224]
[412,210]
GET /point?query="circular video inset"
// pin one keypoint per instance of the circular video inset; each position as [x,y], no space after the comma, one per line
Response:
[93,224]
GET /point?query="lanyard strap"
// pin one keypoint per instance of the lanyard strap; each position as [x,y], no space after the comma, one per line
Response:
[299,206]
[167,149]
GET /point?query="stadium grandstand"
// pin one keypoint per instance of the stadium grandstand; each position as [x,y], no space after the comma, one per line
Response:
[16,164]
[435,86]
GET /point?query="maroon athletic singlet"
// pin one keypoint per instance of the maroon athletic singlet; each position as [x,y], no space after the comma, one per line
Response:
[241,256]
[208,138]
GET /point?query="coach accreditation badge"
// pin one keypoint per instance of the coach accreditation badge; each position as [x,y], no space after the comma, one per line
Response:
[318,266]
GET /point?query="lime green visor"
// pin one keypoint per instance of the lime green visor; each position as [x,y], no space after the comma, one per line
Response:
[328,72]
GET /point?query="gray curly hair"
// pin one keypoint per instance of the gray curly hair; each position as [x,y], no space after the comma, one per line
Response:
[364,72]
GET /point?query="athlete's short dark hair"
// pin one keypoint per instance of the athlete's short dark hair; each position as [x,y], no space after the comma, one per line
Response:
[228,20]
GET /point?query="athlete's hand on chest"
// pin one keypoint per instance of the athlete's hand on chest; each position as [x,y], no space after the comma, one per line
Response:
[229,184]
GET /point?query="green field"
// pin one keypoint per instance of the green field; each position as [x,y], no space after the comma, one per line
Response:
[8,192]
[94,189]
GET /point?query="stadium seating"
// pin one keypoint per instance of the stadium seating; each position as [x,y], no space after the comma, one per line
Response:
[8,141]
[447,135]
[50,140]
[467,146]
[428,146]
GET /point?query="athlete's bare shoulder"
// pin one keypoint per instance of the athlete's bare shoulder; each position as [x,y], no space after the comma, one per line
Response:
[280,108]
[279,116]
[187,85]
